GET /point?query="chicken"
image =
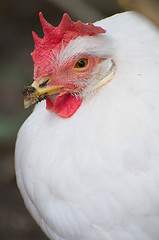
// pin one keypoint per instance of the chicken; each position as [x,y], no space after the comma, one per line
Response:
[87,158]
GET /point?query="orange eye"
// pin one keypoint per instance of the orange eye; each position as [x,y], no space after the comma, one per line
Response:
[81,63]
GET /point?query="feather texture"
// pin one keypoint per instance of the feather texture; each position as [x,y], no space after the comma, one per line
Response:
[96,175]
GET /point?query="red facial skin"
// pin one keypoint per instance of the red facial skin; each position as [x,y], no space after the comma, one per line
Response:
[54,39]
[74,80]
[45,63]
[70,76]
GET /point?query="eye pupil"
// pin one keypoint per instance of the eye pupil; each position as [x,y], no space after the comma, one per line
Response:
[81,63]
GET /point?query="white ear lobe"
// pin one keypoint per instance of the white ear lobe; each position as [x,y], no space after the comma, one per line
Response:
[103,74]
[107,76]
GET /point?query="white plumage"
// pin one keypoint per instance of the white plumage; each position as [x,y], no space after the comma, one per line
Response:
[95,175]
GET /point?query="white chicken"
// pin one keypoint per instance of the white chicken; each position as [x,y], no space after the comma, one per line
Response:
[87,158]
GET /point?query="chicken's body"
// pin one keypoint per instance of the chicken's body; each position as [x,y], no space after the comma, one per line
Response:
[95,175]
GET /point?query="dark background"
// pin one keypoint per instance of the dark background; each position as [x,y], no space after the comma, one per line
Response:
[17,19]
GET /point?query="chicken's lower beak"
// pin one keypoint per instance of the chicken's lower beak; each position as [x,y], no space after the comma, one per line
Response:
[36,93]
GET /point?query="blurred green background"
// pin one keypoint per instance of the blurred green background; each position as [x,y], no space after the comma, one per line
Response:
[17,19]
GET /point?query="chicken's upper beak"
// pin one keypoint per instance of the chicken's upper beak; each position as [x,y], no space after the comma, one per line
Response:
[37,92]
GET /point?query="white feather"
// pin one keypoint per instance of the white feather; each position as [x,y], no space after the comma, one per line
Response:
[96,175]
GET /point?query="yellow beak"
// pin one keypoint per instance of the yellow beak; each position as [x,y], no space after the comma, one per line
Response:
[38,92]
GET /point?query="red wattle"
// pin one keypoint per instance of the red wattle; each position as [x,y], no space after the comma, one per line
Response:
[65,105]
[49,104]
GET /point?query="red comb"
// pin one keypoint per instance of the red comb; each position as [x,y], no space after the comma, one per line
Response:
[54,38]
